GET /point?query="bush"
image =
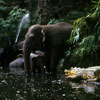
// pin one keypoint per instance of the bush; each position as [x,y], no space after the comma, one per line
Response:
[86,39]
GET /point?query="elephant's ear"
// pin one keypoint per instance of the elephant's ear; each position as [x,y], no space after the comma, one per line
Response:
[42,31]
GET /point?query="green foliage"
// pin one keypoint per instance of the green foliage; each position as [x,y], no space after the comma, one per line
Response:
[70,17]
[86,46]
[1,1]
[73,15]
[13,20]
[14,17]
[3,8]
[9,26]
[53,21]
[16,13]
[95,4]
[80,27]
[86,37]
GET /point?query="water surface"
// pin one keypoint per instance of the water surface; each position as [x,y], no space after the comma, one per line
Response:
[46,87]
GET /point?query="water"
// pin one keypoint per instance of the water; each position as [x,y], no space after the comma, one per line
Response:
[23,23]
[46,87]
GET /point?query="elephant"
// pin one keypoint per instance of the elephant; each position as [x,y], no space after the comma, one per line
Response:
[36,62]
[18,46]
[17,66]
[50,38]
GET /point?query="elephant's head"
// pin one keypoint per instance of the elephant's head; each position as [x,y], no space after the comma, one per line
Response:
[33,41]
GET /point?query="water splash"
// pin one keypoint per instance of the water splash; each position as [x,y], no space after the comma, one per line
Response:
[23,23]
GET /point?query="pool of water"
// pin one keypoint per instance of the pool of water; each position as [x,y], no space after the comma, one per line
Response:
[46,87]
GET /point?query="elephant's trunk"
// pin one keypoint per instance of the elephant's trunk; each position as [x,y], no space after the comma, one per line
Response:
[26,55]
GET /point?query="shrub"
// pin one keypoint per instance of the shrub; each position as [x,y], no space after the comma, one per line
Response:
[86,39]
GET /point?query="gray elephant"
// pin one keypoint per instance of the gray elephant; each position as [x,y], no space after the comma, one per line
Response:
[36,62]
[17,66]
[50,38]
[19,45]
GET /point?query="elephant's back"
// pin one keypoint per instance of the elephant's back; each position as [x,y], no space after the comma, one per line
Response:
[17,62]
[57,34]
[61,25]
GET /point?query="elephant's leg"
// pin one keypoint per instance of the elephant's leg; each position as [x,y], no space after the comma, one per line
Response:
[55,56]
[26,62]
[48,60]
[27,48]
[43,67]
[42,70]
[40,65]
[34,69]
[34,66]
[39,69]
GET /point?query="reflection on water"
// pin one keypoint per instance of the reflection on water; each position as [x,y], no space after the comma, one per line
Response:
[46,87]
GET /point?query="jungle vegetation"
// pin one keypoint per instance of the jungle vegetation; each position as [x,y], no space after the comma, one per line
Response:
[83,14]
[86,38]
